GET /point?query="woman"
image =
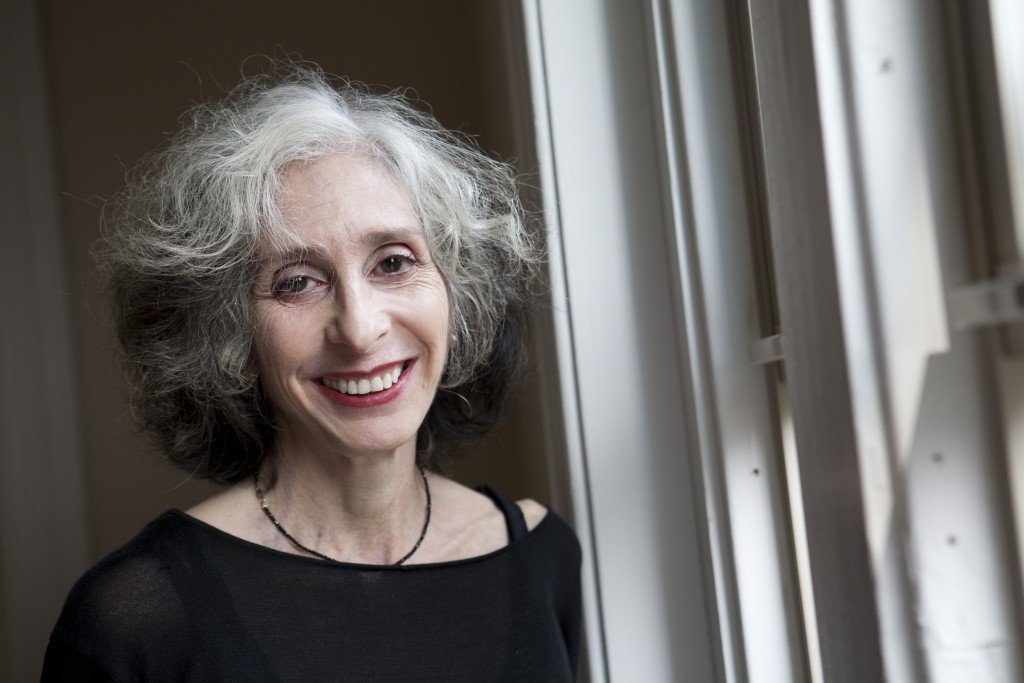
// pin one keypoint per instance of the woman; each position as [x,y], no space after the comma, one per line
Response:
[319,294]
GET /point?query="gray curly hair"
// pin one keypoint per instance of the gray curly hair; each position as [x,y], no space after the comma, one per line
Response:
[182,241]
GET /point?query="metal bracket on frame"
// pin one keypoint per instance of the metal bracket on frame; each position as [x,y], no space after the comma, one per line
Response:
[987,303]
[766,350]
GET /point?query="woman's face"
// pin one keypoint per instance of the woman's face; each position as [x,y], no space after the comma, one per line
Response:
[352,318]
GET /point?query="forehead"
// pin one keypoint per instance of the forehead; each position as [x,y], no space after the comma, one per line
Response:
[341,196]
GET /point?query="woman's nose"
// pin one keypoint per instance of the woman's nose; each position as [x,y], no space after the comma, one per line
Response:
[359,319]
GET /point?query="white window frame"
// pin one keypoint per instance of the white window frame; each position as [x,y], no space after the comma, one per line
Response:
[649,188]
[656,392]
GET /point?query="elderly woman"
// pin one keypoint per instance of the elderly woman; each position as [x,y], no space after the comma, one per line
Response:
[319,294]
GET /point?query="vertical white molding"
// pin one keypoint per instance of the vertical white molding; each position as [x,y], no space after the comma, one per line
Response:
[42,514]
[1008,44]
[569,479]
[709,183]
[635,467]
[1010,378]
[829,438]
[924,400]
[894,416]
[879,430]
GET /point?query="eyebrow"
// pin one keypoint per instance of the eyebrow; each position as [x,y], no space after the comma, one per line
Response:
[373,239]
[378,238]
[291,255]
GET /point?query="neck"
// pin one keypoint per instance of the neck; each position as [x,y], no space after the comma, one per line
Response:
[368,509]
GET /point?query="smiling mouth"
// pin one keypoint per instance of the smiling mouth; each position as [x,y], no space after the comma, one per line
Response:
[366,385]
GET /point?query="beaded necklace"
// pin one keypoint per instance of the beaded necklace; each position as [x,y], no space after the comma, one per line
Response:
[315,553]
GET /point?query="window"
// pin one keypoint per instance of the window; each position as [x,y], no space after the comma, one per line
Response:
[786,456]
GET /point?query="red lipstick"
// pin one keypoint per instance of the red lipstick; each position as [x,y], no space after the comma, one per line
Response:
[374,398]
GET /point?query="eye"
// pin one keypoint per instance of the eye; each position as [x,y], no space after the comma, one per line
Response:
[393,264]
[295,284]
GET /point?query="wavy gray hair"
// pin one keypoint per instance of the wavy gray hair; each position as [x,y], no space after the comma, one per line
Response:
[182,242]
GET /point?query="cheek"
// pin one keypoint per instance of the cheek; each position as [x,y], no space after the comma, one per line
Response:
[276,342]
[439,318]
[425,312]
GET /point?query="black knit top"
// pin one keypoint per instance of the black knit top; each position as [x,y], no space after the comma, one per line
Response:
[185,601]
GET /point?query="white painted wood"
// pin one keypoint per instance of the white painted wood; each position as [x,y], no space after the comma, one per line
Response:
[43,532]
[1008,44]
[929,461]
[895,207]
[812,643]
[828,431]
[885,359]
[961,545]
[910,542]
[565,438]
[732,399]
[1010,377]
[857,294]
[960,537]
[892,79]
[649,544]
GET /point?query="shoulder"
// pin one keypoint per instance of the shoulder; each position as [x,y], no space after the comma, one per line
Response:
[533,512]
[135,568]
[552,541]
[127,601]
[467,523]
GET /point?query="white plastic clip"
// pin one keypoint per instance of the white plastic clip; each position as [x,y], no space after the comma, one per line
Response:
[767,350]
[988,303]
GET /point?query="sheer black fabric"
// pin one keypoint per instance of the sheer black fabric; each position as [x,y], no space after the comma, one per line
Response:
[184,601]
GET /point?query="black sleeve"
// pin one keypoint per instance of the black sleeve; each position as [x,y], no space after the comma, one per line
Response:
[121,621]
[65,663]
[572,611]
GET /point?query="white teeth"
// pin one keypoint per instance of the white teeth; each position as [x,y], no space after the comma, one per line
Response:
[366,386]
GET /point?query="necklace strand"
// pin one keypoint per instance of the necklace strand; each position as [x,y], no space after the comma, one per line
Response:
[295,542]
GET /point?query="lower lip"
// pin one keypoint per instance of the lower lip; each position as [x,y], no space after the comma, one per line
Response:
[372,399]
